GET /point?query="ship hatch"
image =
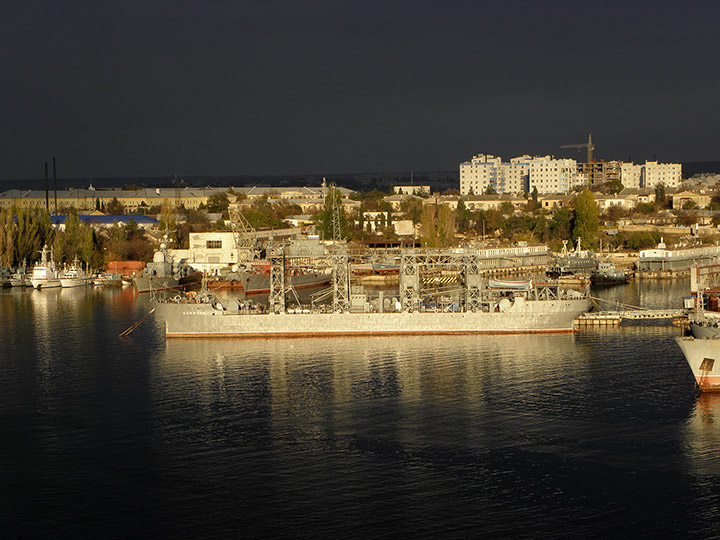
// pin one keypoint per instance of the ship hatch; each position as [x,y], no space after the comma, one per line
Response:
[707,364]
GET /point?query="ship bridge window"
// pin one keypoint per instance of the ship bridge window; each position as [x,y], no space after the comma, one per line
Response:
[213,244]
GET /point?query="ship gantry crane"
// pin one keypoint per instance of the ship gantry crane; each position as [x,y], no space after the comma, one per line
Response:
[245,242]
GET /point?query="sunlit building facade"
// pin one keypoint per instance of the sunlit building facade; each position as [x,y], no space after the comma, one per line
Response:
[522,174]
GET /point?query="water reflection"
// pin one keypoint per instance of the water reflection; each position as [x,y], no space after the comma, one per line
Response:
[702,436]
[304,384]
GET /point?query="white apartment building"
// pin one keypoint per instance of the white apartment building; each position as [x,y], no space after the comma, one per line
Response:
[669,174]
[631,175]
[479,173]
[650,174]
[547,174]
[523,173]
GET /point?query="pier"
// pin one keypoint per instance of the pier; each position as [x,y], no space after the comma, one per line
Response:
[628,313]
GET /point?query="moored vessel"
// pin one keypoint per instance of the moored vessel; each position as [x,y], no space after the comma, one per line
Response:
[607,273]
[503,308]
[74,276]
[164,273]
[703,357]
[45,273]
[258,281]
[108,279]
[576,264]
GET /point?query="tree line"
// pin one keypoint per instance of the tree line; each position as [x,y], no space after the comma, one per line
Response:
[24,232]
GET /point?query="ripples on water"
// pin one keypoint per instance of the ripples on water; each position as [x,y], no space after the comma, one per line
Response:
[590,435]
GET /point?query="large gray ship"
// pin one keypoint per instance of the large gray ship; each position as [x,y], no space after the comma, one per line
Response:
[479,307]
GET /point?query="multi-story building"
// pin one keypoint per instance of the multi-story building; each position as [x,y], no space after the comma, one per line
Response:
[631,175]
[522,174]
[480,173]
[600,172]
[549,175]
[654,173]
[651,174]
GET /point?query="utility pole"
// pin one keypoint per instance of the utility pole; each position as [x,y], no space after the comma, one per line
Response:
[47,188]
[55,185]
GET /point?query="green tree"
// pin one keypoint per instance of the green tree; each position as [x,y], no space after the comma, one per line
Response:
[532,203]
[33,231]
[412,208]
[660,197]
[640,240]
[437,226]
[614,186]
[586,219]
[115,207]
[463,216]
[560,224]
[7,238]
[507,208]
[218,203]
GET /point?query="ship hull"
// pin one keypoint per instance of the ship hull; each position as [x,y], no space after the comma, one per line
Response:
[145,284]
[703,357]
[74,282]
[45,283]
[185,320]
[704,331]
[260,284]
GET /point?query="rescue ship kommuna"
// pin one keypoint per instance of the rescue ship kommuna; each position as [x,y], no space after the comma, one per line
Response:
[481,307]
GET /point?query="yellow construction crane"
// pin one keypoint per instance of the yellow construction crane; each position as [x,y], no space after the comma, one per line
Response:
[589,145]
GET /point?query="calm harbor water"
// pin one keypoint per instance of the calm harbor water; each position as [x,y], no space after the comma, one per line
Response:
[592,435]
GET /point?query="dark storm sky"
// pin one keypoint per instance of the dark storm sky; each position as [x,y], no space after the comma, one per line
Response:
[154,88]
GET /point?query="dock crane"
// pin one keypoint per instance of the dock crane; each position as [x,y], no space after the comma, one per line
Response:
[589,145]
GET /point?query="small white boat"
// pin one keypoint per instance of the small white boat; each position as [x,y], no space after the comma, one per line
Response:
[74,276]
[19,278]
[45,274]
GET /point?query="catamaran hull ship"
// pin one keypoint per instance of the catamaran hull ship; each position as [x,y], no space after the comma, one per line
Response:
[184,320]
[703,357]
